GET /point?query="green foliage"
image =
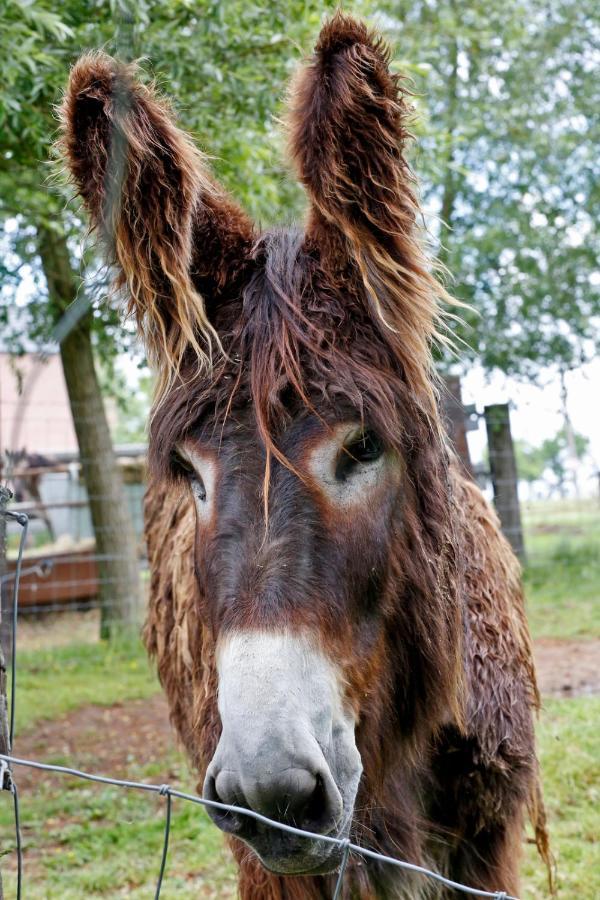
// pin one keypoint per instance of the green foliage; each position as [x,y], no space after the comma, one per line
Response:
[226,64]
[531,462]
[507,99]
[508,96]
[551,455]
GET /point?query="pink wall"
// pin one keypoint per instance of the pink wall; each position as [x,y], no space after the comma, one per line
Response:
[36,415]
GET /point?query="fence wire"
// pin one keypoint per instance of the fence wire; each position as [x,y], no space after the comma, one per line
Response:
[8,783]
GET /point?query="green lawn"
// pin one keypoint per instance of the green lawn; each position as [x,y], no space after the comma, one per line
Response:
[85,840]
[570,760]
[55,681]
[562,573]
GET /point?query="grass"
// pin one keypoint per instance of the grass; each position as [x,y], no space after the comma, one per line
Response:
[85,840]
[570,761]
[55,681]
[562,573]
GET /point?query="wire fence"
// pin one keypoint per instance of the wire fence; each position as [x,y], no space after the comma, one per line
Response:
[8,781]
[79,575]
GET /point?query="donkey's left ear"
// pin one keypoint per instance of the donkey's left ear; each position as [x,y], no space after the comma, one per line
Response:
[347,129]
[173,233]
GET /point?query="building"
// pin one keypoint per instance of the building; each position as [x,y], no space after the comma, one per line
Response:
[34,405]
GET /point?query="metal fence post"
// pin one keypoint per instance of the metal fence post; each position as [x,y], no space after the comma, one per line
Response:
[5,497]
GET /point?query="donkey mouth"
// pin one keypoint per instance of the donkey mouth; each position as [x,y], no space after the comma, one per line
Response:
[298,856]
[280,851]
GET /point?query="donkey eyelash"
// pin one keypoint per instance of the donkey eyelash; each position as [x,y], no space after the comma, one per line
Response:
[184,469]
[180,466]
[366,448]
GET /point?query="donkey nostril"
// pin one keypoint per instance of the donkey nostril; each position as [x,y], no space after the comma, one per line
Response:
[295,797]
[301,798]
[323,809]
[224,819]
[315,809]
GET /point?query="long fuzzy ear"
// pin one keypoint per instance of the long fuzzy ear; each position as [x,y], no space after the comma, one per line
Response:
[172,232]
[347,129]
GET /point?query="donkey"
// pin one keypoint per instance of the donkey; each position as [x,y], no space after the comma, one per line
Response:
[338,622]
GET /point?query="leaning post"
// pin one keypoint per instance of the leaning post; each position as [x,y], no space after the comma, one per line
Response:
[458,420]
[503,469]
[5,497]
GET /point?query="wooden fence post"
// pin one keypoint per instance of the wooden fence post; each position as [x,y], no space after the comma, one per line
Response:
[456,420]
[503,469]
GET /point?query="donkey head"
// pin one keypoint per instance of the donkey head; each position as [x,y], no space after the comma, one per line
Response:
[297,409]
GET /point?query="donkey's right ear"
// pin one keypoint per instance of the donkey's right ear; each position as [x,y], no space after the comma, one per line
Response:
[174,235]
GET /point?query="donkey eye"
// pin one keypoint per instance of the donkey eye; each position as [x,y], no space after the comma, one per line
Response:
[198,489]
[365,449]
[184,469]
[181,466]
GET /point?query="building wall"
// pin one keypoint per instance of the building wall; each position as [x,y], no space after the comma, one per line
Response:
[34,406]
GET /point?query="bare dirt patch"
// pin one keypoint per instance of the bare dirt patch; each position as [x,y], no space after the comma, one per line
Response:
[568,668]
[103,740]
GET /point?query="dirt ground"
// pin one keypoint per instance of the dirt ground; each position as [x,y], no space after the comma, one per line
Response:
[568,668]
[93,736]
[100,739]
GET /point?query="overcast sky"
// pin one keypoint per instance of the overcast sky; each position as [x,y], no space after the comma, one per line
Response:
[536,411]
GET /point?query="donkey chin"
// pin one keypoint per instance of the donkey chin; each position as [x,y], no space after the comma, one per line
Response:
[287,750]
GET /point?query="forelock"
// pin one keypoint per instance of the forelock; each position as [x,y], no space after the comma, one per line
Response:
[296,340]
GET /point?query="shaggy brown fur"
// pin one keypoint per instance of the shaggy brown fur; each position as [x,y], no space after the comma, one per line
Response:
[419,599]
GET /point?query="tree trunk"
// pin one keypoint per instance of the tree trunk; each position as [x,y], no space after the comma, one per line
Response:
[119,588]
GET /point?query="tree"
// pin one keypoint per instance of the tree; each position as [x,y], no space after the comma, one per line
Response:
[531,463]
[508,98]
[38,233]
[553,455]
[557,452]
